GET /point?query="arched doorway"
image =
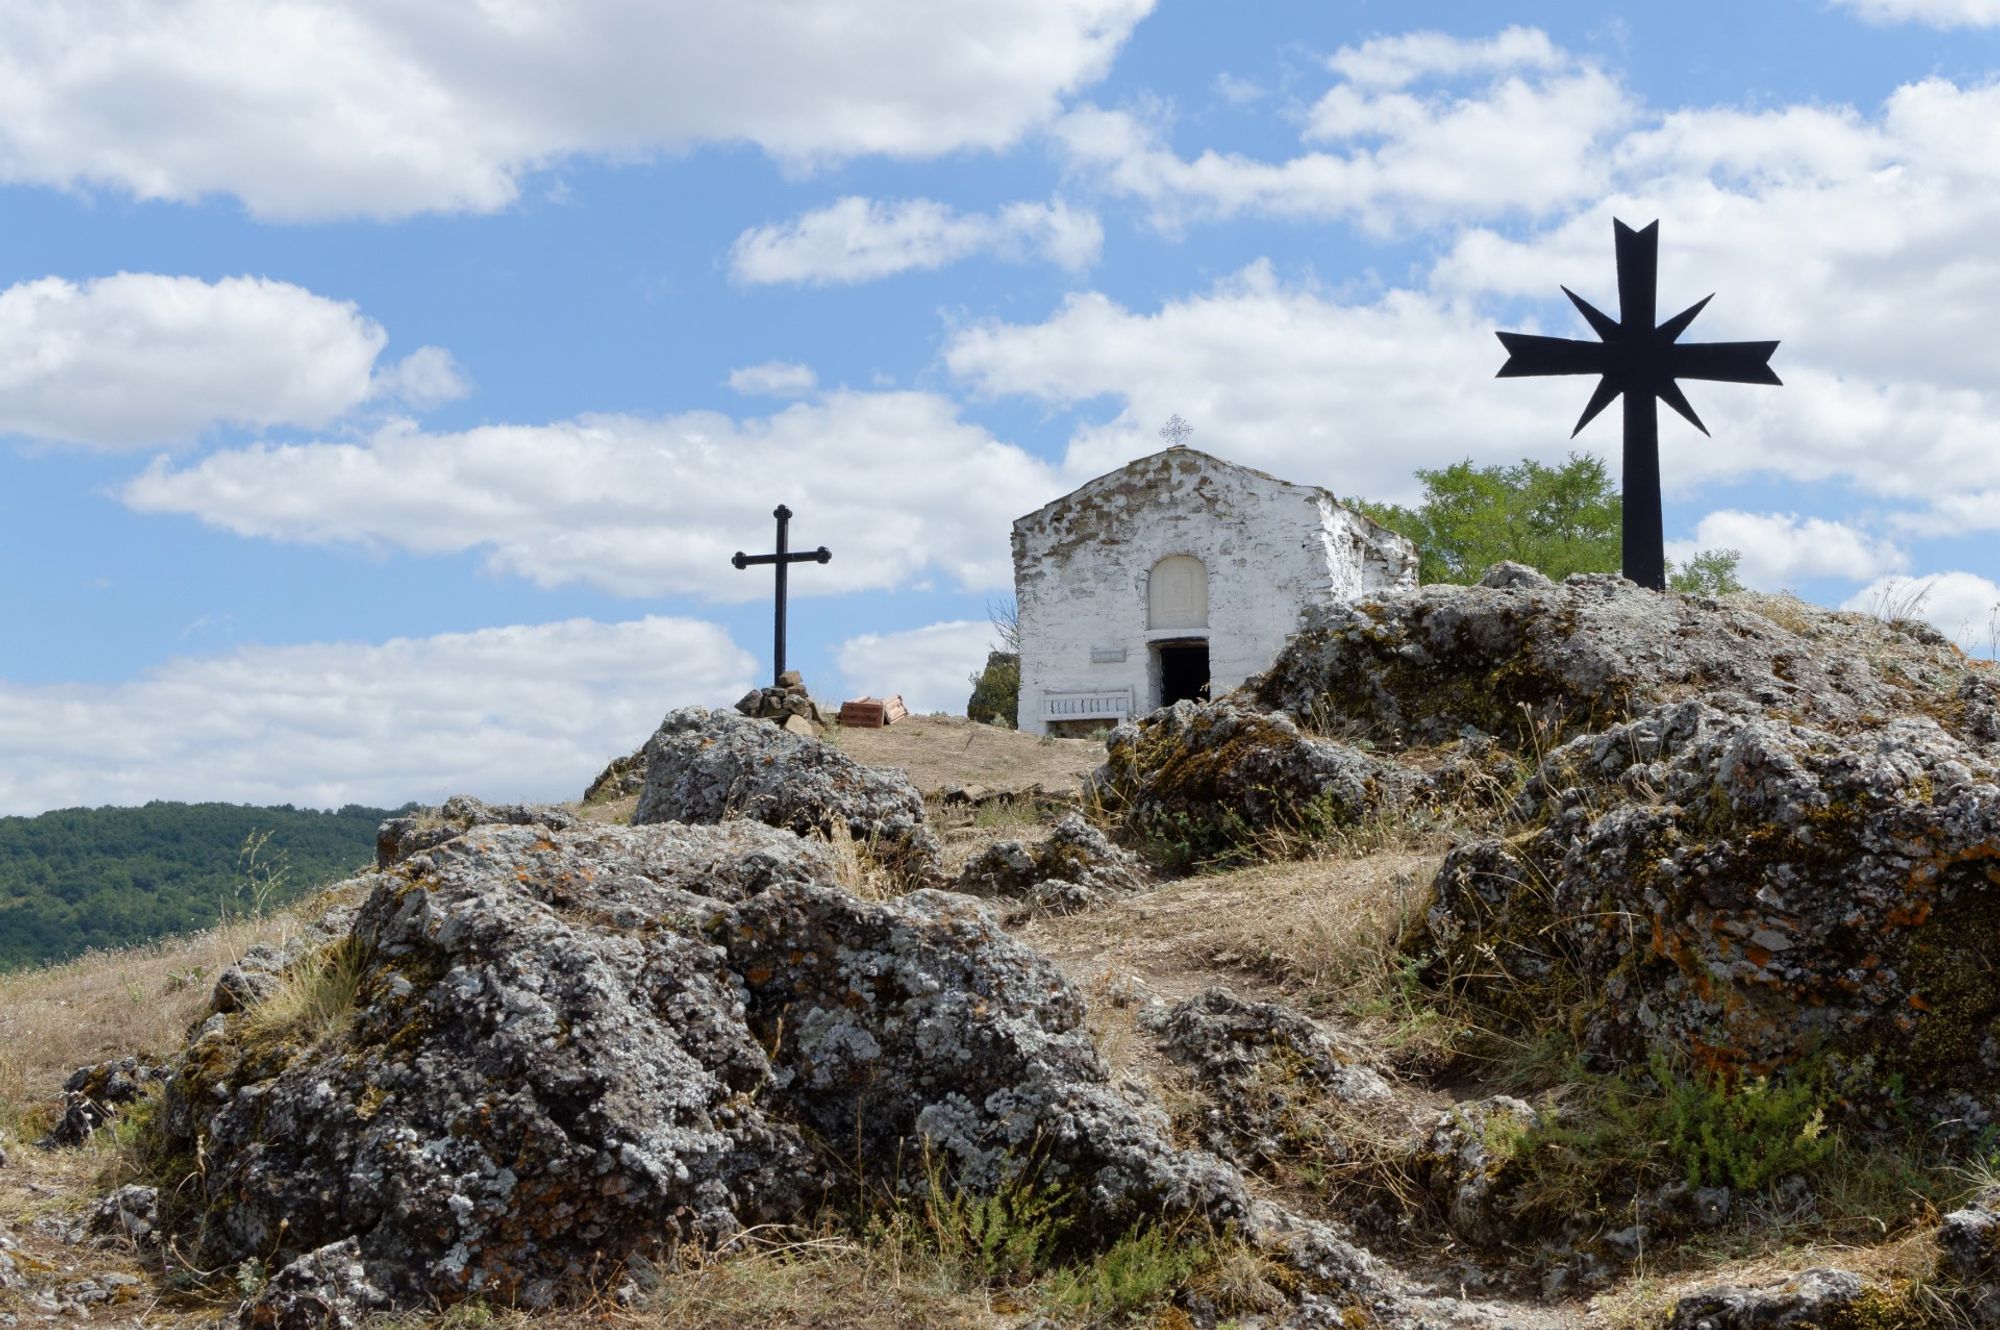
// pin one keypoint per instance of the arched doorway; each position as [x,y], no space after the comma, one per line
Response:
[1177,602]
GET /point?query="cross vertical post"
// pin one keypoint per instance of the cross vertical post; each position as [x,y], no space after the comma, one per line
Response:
[1641,361]
[781,560]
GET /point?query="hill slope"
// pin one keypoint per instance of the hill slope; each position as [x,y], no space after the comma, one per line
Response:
[78,878]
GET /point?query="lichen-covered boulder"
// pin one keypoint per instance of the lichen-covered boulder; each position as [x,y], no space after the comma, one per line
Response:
[1222,781]
[400,837]
[1520,657]
[1745,891]
[1810,1300]
[703,766]
[1266,1073]
[538,1052]
[1074,868]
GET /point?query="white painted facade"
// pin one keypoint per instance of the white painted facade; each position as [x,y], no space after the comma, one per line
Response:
[1123,582]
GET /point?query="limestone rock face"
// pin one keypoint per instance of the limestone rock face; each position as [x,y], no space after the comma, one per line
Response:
[400,837]
[1074,868]
[704,766]
[1519,652]
[1747,890]
[537,1050]
[1208,780]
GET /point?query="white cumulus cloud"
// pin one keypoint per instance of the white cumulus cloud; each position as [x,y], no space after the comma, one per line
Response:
[137,359]
[1963,606]
[1781,549]
[931,667]
[1274,375]
[321,108]
[1531,140]
[860,240]
[773,378]
[523,712]
[895,483]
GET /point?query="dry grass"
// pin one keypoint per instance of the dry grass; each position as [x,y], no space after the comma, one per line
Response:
[939,752]
[106,1005]
[1904,1268]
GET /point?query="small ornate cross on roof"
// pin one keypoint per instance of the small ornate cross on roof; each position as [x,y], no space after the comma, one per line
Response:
[1641,361]
[1175,431]
[783,558]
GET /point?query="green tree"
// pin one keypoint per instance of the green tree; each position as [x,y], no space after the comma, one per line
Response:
[996,689]
[1560,519]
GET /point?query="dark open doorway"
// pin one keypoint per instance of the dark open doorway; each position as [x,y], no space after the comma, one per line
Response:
[1183,672]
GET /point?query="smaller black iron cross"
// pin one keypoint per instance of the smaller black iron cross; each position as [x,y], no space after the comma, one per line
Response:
[782,558]
[1640,361]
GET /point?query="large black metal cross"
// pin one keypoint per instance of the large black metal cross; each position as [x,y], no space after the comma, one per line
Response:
[782,559]
[1641,361]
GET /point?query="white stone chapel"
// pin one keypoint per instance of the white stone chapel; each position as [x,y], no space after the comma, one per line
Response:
[1177,575]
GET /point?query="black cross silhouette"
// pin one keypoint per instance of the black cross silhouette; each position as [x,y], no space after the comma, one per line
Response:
[782,559]
[1642,362]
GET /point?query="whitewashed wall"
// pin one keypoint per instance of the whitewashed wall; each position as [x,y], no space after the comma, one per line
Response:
[1270,548]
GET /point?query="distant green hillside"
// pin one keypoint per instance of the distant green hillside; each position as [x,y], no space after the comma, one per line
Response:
[78,878]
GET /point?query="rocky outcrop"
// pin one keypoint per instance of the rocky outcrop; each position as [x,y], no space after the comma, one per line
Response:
[705,766]
[1222,781]
[1266,1073]
[537,1052]
[93,1095]
[1523,658]
[1074,868]
[400,837]
[1745,891]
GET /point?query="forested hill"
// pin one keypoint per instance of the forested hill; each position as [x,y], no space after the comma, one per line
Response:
[78,878]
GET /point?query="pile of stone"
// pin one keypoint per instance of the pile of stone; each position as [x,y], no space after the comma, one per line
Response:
[786,704]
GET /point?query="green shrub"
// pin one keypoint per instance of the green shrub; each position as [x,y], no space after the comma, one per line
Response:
[996,691]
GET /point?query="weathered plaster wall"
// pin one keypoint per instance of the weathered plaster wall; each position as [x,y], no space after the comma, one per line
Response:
[1271,549]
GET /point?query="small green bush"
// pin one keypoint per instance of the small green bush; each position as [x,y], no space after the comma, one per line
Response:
[1142,1269]
[996,691]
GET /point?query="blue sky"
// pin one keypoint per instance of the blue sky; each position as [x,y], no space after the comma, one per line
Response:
[383,388]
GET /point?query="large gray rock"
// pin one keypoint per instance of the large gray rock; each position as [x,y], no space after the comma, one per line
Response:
[1746,890]
[1222,781]
[1810,1300]
[704,766]
[566,1047]
[1520,657]
[1073,868]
